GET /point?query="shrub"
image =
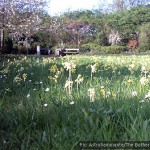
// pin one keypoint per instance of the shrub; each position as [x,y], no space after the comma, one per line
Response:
[113,49]
[85,48]
[144,37]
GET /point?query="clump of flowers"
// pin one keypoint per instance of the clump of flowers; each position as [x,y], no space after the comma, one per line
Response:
[146,98]
[79,80]
[105,93]
[17,79]
[91,93]
[68,86]
[53,68]
[144,81]
[144,71]
[24,76]
[93,69]
[6,70]
[70,67]
[134,93]
[131,68]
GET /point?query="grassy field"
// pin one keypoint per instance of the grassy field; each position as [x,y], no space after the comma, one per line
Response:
[53,103]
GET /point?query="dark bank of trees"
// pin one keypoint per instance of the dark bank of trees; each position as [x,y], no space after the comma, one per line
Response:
[96,30]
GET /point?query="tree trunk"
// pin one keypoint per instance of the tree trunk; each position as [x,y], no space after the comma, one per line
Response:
[2,40]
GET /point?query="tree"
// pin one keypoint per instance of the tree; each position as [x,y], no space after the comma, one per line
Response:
[124,4]
[144,35]
[20,17]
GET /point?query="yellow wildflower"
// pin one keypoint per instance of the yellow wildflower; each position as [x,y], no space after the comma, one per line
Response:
[24,76]
[17,79]
[93,68]
[91,93]
[143,81]
[5,71]
[129,81]
[53,79]
[69,66]
[53,68]
[113,94]
[79,79]
[22,68]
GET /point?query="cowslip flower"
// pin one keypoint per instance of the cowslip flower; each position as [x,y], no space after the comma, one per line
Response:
[129,81]
[24,76]
[143,81]
[79,79]
[68,84]
[91,93]
[93,68]
[6,71]
[69,66]
[143,69]
[131,66]
[17,79]
[22,68]
[53,68]
[134,93]
[147,95]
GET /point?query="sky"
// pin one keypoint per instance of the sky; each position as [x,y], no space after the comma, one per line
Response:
[59,6]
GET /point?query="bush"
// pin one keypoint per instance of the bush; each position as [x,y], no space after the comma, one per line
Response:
[85,48]
[95,48]
[143,48]
[144,36]
[113,49]
[90,47]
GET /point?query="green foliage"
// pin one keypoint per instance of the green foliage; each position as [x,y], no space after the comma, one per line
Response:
[44,38]
[128,21]
[101,38]
[113,49]
[91,29]
[144,37]
[102,49]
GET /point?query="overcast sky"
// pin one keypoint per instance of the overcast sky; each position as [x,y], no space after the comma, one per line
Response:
[59,6]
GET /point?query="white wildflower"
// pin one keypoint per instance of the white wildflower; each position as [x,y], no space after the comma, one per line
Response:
[68,84]
[142,101]
[134,93]
[91,93]
[143,81]
[131,66]
[79,79]
[71,103]
[147,95]
[93,68]
[69,65]
[47,89]
[28,95]
[45,105]
[143,68]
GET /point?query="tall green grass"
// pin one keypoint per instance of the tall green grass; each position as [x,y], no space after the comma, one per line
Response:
[37,112]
